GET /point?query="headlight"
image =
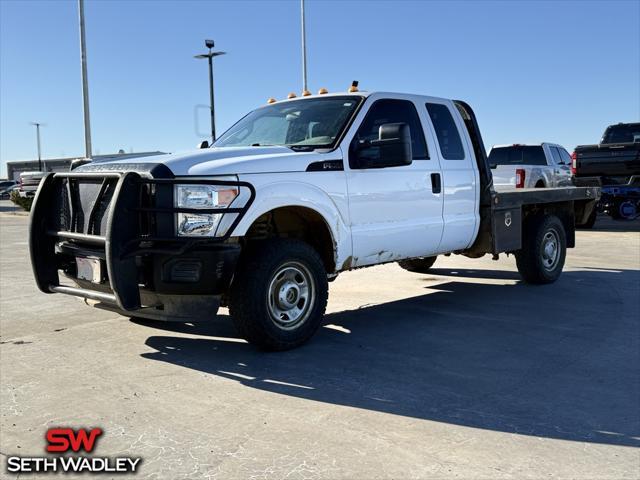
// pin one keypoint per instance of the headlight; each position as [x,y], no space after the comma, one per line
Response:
[201,197]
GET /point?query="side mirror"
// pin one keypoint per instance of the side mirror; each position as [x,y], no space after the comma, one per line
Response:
[391,149]
[204,144]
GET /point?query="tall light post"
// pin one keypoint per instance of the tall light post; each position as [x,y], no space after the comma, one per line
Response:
[38,125]
[210,44]
[85,82]
[304,48]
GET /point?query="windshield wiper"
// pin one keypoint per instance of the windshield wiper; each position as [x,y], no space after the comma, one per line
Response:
[295,148]
[301,148]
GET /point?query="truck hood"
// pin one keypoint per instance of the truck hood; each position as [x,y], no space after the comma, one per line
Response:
[230,161]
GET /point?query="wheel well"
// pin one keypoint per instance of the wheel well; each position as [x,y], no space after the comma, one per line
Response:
[563,210]
[539,184]
[296,222]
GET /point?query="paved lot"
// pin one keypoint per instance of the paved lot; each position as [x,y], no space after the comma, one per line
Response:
[466,373]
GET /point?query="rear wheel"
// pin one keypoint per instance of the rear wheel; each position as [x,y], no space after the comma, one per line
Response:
[624,210]
[418,265]
[279,294]
[543,252]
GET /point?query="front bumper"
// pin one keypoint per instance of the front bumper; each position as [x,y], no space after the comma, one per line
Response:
[125,223]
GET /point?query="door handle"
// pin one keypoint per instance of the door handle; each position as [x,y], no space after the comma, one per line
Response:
[436,183]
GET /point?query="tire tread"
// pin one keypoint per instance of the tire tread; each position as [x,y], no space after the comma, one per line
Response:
[528,259]
[246,302]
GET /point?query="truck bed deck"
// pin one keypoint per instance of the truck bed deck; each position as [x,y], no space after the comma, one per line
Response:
[502,224]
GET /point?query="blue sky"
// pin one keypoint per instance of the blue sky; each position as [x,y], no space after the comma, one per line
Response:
[556,71]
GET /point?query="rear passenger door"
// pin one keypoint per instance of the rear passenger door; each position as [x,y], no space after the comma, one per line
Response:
[395,212]
[561,173]
[564,169]
[459,176]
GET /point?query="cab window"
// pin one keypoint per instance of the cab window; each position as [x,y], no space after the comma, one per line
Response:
[566,158]
[555,153]
[446,131]
[394,111]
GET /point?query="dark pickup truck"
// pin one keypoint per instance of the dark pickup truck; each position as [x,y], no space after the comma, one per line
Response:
[613,164]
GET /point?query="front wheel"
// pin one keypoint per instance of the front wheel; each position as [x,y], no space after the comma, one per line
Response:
[279,294]
[543,252]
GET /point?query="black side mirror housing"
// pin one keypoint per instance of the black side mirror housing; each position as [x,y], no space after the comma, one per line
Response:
[391,149]
[204,144]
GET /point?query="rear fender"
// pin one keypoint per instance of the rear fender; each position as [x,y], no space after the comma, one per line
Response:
[540,174]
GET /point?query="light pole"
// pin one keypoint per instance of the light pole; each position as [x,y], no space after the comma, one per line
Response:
[38,125]
[85,82]
[304,48]
[210,44]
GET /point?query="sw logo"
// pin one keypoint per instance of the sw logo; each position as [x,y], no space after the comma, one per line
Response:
[63,440]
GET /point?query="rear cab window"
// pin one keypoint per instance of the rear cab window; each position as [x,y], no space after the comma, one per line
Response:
[517,155]
[446,131]
[622,133]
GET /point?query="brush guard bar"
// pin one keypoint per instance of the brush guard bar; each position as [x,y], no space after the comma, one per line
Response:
[139,221]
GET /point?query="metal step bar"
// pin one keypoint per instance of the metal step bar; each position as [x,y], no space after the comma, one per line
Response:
[84,293]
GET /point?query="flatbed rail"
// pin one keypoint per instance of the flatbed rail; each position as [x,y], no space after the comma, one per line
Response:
[524,196]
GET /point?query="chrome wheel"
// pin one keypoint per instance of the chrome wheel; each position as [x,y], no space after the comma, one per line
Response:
[550,250]
[290,297]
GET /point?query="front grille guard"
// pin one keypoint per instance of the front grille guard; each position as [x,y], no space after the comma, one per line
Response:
[123,239]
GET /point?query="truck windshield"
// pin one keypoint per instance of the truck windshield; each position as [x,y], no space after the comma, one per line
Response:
[305,123]
[517,155]
[623,133]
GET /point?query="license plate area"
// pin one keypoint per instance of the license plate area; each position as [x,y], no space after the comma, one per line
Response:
[89,269]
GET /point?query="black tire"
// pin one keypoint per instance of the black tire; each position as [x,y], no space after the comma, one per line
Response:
[591,221]
[418,265]
[535,262]
[617,213]
[278,265]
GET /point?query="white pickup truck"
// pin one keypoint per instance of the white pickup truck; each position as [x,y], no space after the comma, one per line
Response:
[290,196]
[530,166]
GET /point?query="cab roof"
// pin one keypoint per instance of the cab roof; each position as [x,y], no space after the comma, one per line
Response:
[363,94]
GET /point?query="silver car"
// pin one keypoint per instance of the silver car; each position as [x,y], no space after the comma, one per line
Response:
[541,165]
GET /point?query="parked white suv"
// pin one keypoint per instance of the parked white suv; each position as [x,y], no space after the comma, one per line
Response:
[530,166]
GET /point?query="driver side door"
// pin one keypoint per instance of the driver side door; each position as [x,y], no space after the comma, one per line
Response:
[395,212]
